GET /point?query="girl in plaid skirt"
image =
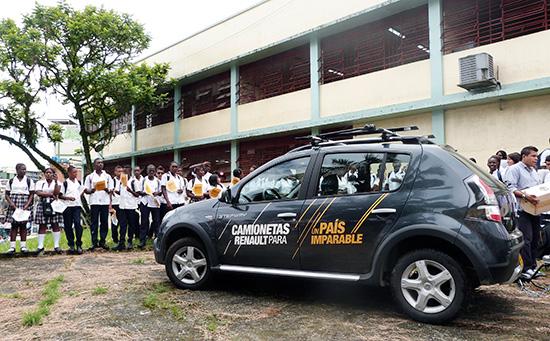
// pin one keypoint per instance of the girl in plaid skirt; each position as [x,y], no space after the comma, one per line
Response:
[47,190]
[19,195]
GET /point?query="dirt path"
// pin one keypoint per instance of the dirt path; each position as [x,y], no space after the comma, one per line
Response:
[135,300]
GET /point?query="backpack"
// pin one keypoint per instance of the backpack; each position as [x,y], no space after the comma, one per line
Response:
[47,206]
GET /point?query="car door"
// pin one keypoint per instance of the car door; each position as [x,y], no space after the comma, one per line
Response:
[353,204]
[259,228]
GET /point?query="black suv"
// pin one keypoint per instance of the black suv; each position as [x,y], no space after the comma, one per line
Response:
[392,210]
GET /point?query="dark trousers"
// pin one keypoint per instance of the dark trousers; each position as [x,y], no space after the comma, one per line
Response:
[114,227]
[71,217]
[164,209]
[128,222]
[99,212]
[148,227]
[529,225]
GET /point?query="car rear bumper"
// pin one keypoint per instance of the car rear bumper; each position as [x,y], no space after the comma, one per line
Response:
[509,271]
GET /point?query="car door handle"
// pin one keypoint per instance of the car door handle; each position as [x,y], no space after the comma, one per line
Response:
[384,211]
[287,215]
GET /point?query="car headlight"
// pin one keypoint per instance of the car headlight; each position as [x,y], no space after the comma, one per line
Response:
[168,215]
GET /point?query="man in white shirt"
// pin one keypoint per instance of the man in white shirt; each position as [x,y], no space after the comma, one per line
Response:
[395,178]
[151,193]
[197,188]
[173,188]
[99,186]
[70,192]
[127,210]
[115,202]
[207,168]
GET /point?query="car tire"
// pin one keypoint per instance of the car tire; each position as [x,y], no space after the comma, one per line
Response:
[429,286]
[187,264]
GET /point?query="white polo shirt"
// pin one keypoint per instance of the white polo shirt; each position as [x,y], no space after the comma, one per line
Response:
[138,187]
[115,198]
[20,187]
[180,182]
[127,200]
[155,187]
[203,181]
[99,197]
[44,186]
[74,190]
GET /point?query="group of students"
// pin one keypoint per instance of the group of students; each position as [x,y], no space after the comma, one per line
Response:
[137,203]
[520,171]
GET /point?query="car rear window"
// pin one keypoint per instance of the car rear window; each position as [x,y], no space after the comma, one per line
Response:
[477,170]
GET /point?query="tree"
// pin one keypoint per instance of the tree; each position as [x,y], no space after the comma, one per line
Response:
[85,57]
[19,92]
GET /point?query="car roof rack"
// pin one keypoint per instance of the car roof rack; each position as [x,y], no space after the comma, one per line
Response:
[386,135]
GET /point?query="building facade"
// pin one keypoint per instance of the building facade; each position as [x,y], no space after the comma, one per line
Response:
[285,68]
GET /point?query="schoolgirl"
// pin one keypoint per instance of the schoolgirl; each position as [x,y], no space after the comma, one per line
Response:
[71,192]
[151,192]
[215,187]
[47,191]
[127,212]
[19,195]
[197,188]
[115,202]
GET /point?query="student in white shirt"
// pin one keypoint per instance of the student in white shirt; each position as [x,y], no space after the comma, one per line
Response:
[127,209]
[197,188]
[100,201]
[47,190]
[173,189]
[115,202]
[19,195]
[207,168]
[395,178]
[136,182]
[151,206]
[71,191]
[215,187]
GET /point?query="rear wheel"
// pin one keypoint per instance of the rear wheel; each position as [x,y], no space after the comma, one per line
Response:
[187,264]
[429,286]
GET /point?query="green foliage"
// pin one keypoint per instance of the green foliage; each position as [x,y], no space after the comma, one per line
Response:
[99,291]
[51,295]
[212,322]
[138,261]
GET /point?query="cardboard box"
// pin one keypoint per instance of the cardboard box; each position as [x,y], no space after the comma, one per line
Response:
[542,192]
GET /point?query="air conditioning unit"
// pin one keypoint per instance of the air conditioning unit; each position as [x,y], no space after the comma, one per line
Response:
[477,72]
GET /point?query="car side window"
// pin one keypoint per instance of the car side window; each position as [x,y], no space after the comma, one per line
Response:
[280,182]
[395,170]
[350,173]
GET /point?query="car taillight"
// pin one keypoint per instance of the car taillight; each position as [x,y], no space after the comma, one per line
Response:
[491,208]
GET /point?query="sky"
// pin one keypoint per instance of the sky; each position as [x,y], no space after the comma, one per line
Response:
[166,21]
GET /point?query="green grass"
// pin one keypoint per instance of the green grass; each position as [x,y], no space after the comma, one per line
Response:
[32,244]
[51,295]
[15,295]
[212,322]
[158,301]
[138,261]
[99,291]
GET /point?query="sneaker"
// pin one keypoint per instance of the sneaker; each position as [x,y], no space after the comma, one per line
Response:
[70,250]
[130,246]
[24,249]
[11,251]
[79,250]
[58,250]
[39,252]
[546,259]
[104,246]
[540,273]
[119,247]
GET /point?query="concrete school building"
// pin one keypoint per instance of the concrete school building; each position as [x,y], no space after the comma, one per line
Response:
[284,68]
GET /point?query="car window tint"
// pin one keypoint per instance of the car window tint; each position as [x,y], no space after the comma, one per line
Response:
[395,170]
[280,182]
[350,173]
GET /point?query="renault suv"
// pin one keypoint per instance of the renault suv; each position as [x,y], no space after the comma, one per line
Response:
[396,211]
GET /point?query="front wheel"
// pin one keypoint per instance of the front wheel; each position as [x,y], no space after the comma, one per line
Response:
[429,286]
[187,264]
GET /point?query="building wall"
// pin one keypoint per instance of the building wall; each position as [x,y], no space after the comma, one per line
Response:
[519,59]
[400,84]
[156,136]
[273,111]
[214,123]
[422,121]
[254,29]
[479,131]
[120,144]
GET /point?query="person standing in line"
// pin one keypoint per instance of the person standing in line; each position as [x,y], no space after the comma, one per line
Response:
[115,202]
[71,191]
[197,188]
[237,174]
[493,163]
[99,186]
[159,174]
[19,196]
[503,164]
[520,177]
[207,166]
[47,190]
[137,183]
[173,186]
[151,192]
[127,211]
[544,173]
[215,187]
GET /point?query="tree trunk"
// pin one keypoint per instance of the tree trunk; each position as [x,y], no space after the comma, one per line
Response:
[25,149]
[51,161]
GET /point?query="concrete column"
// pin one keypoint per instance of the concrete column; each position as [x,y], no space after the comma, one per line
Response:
[234,154]
[436,62]
[177,99]
[234,99]
[314,68]
[133,142]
